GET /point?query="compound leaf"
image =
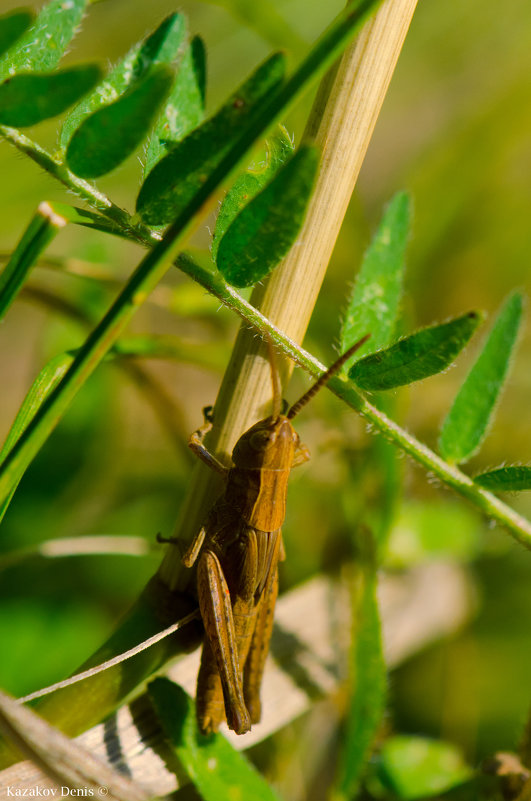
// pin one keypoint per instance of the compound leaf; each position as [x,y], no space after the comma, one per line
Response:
[467,421]
[27,99]
[415,357]
[112,133]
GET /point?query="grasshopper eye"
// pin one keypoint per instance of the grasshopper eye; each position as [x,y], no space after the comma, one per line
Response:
[260,439]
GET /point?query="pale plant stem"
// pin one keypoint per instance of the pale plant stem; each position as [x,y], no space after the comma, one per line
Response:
[341,124]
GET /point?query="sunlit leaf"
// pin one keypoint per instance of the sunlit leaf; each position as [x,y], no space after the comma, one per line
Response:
[467,422]
[219,772]
[513,478]
[12,26]
[161,47]
[29,98]
[185,106]
[177,177]
[42,46]
[416,767]
[263,232]
[248,184]
[42,229]
[415,357]
[112,133]
[375,301]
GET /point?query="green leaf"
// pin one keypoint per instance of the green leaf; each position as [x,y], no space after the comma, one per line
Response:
[248,184]
[45,382]
[42,46]
[161,47]
[416,767]
[368,678]
[263,232]
[467,422]
[12,26]
[29,98]
[513,478]
[112,133]
[375,301]
[89,219]
[219,772]
[185,105]
[42,229]
[174,181]
[418,356]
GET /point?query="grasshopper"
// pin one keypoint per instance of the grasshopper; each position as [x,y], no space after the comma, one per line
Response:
[238,549]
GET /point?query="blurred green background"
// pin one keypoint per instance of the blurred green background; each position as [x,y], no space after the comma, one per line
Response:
[455,131]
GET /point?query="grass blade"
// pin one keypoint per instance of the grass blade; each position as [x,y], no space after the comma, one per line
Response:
[42,46]
[375,301]
[249,183]
[473,408]
[12,26]
[418,356]
[368,677]
[219,772]
[112,133]
[185,106]
[155,264]
[30,98]
[263,232]
[178,176]
[42,229]
[161,47]
[514,478]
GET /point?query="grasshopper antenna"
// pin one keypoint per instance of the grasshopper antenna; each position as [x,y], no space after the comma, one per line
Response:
[332,370]
[275,379]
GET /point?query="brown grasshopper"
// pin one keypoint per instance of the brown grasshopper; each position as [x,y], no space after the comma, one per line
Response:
[239,547]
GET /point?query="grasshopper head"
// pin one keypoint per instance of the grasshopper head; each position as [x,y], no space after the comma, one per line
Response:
[269,444]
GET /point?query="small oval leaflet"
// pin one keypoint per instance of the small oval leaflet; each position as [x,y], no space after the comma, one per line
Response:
[12,26]
[513,478]
[112,133]
[263,232]
[27,99]
[415,357]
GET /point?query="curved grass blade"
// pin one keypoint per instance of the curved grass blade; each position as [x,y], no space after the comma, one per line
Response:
[12,26]
[278,149]
[219,772]
[267,227]
[42,46]
[163,46]
[375,301]
[513,478]
[45,382]
[368,679]
[418,356]
[110,135]
[185,105]
[172,183]
[473,408]
[155,264]
[27,99]
[42,229]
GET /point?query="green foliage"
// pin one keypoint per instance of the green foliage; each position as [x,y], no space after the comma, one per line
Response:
[112,133]
[467,421]
[42,46]
[162,47]
[174,181]
[12,26]
[415,767]
[425,353]
[219,772]
[249,183]
[374,304]
[512,478]
[30,98]
[263,232]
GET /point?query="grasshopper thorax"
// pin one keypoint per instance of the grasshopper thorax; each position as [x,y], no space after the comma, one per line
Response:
[268,445]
